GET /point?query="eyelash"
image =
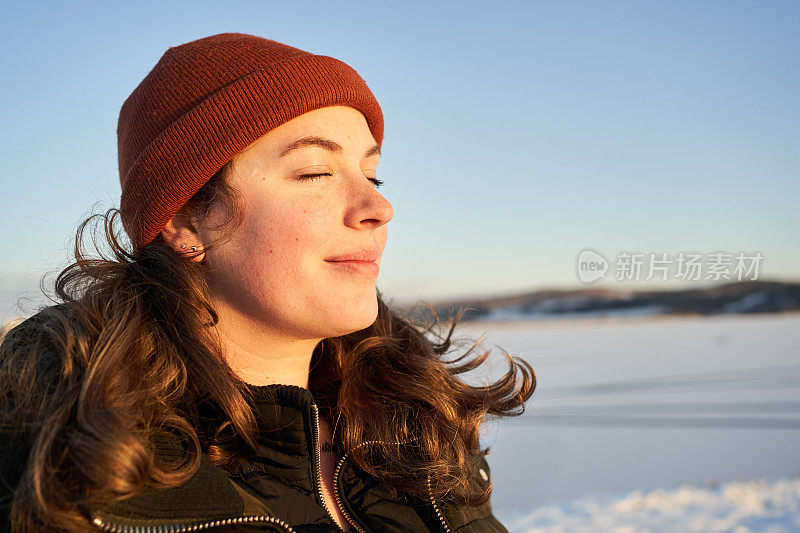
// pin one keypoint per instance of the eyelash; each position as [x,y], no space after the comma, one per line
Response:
[311,177]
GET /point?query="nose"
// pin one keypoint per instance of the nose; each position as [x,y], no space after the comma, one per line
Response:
[367,205]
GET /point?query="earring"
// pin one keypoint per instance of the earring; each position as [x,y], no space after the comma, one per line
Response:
[194,248]
[183,245]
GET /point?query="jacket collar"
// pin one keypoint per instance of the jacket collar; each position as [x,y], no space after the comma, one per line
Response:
[287,420]
[287,433]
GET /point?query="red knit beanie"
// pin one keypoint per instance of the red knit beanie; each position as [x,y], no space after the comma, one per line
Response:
[204,102]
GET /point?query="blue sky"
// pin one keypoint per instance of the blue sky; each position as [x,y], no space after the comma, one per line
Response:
[517,133]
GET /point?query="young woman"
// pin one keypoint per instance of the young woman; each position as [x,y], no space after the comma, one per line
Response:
[234,368]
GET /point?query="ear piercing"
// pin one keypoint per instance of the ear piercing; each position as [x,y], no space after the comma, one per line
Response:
[194,248]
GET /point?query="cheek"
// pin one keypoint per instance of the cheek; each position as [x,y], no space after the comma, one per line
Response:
[285,234]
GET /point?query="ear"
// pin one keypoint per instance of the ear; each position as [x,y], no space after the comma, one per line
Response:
[181,235]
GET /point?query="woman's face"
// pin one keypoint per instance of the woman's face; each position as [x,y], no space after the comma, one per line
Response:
[275,272]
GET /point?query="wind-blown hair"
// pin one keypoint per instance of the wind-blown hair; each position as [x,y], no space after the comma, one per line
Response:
[128,351]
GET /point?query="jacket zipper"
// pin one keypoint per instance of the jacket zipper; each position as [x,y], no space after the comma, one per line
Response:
[350,519]
[436,507]
[336,488]
[180,528]
[318,479]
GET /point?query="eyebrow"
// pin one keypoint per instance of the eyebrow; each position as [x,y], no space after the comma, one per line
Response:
[327,144]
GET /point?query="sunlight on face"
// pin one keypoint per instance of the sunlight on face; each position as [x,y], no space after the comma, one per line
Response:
[273,271]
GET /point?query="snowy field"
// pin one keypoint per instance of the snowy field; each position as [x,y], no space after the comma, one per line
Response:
[650,424]
[735,506]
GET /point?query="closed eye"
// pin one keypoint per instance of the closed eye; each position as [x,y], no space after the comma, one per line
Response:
[314,176]
[311,177]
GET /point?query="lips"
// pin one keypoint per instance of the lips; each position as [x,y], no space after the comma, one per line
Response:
[360,262]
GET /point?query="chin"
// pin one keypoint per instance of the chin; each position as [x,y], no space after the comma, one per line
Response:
[352,321]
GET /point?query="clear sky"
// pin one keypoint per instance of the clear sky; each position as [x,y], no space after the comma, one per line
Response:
[517,133]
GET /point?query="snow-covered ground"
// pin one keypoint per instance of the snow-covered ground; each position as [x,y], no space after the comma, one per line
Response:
[735,506]
[650,424]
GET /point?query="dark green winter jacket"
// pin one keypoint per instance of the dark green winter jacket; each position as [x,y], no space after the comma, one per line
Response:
[278,489]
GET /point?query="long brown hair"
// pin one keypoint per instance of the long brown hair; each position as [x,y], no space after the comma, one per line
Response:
[127,350]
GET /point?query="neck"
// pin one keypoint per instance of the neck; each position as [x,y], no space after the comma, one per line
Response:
[260,355]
